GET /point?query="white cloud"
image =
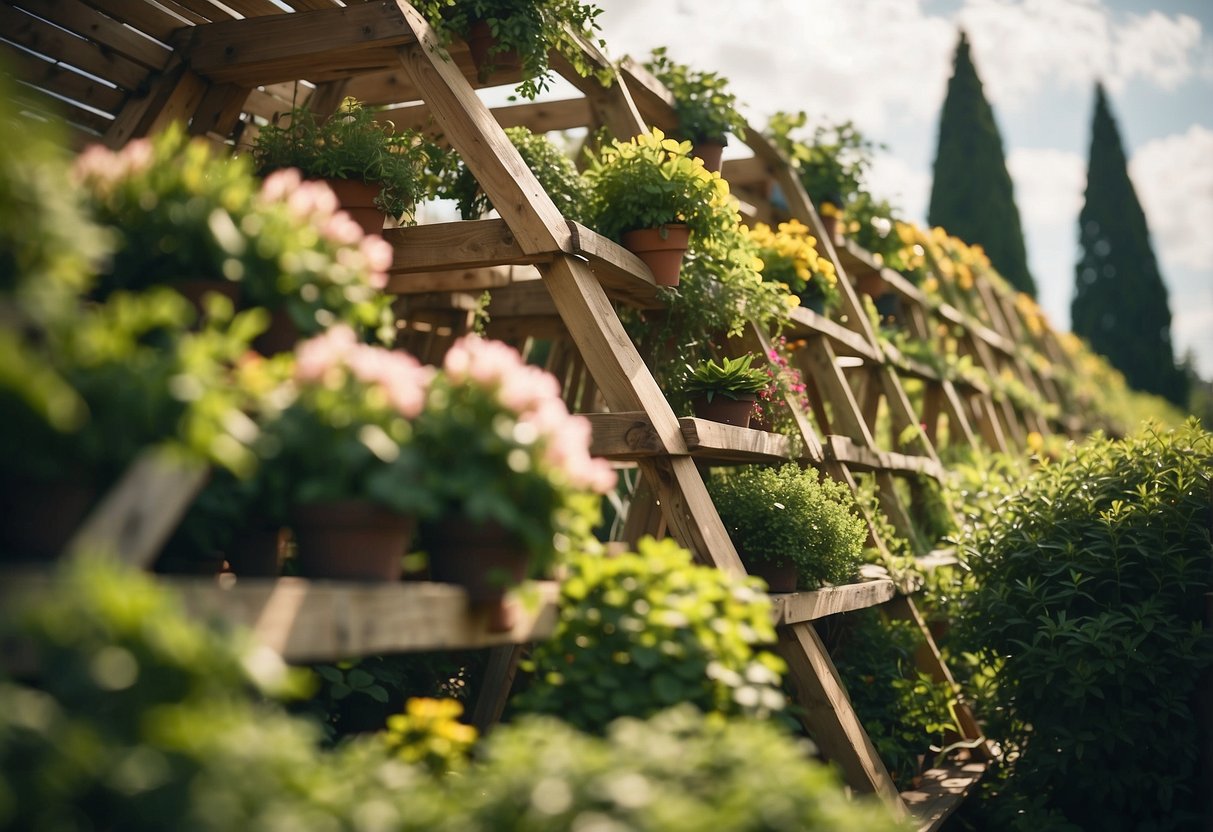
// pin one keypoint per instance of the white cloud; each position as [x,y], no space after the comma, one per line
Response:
[1025,46]
[1048,184]
[907,187]
[1173,177]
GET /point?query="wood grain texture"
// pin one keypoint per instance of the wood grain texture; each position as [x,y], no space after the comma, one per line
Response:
[720,443]
[806,323]
[796,607]
[941,792]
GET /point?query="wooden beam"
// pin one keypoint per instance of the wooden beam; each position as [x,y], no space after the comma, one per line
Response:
[796,607]
[308,44]
[806,322]
[623,436]
[827,713]
[941,792]
[729,444]
[451,246]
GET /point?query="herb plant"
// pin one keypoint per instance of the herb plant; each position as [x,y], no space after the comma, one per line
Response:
[648,630]
[706,109]
[789,515]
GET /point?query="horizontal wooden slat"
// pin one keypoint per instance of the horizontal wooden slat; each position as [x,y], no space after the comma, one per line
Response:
[103,31]
[538,116]
[59,80]
[285,47]
[623,436]
[793,607]
[941,793]
[856,457]
[622,274]
[806,322]
[718,442]
[450,246]
[143,16]
[53,42]
[53,107]
[462,280]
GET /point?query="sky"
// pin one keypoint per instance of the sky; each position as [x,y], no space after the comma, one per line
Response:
[884,64]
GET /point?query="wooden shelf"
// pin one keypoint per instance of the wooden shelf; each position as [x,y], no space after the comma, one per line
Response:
[941,793]
[806,322]
[795,607]
[630,435]
[313,620]
[859,458]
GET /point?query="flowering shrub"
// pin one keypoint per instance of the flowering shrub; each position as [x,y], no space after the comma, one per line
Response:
[496,442]
[178,212]
[785,383]
[789,256]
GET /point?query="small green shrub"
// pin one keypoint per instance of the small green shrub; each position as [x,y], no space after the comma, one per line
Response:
[647,630]
[677,772]
[1091,578]
[706,109]
[790,515]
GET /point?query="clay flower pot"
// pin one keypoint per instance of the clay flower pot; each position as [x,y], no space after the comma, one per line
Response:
[358,200]
[723,409]
[710,153]
[483,558]
[354,540]
[661,249]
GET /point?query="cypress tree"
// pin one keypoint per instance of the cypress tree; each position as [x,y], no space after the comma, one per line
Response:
[1120,301]
[972,195]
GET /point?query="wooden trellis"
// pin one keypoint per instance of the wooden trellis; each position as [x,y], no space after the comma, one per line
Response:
[221,68]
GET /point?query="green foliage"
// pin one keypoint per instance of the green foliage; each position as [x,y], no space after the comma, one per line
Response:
[706,110]
[644,631]
[554,170]
[832,166]
[179,212]
[351,144]
[904,711]
[650,181]
[731,377]
[1120,300]
[678,772]
[530,28]
[972,195]
[1091,578]
[790,515]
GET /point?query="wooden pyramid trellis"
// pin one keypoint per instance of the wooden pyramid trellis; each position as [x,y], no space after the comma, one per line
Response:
[219,68]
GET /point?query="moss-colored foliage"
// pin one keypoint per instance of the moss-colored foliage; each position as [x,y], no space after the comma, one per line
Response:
[904,710]
[678,772]
[972,195]
[1120,301]
[791,515]
[1091,578]
[644,631]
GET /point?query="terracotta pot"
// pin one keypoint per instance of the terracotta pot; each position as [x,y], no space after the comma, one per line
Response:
[779,578]
[255,551]
[710,153]
[723,409]
[358,200]
[354,540]
[480,40]
[830,223]
[37,519]
[872,284]
[661,249]
[484,558]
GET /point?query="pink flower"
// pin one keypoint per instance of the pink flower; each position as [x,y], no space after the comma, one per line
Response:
[315,357]
[279,184]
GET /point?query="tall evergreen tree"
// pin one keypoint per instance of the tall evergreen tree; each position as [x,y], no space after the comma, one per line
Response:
[1120,302]
[972,195]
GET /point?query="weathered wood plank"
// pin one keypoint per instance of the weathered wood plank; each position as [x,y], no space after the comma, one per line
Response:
[623,436]
[139,513]
[450,246]
[826,712]
[718,442]
[941,793]
[55,43]
[307,621]
[537,116]
[60,80]
[795,607]
[806,322]
[308,44]
[104,31]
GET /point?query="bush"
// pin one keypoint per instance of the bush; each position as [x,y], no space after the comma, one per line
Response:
[647,630]
[789,515]
[677,772]
[1090,601]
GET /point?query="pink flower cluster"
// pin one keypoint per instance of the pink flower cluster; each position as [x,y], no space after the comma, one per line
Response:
[98,164]
[533,397]
[404,379]
[314,203]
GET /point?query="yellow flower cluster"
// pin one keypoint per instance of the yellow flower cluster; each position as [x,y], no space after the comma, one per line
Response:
[789,255]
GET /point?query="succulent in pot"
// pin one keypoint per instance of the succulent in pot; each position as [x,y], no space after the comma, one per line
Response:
[789,525]
[726,391]
[706,109]
[371,164]
[652,186]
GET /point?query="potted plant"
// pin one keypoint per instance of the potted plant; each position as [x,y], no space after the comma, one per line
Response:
[178,215]
[336,456]
[650,194]
[373,169]
[773,411]
[789,256]
[790,527]
[505,470]
[706,110]
[726,392]
[518,36]
[554,170]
